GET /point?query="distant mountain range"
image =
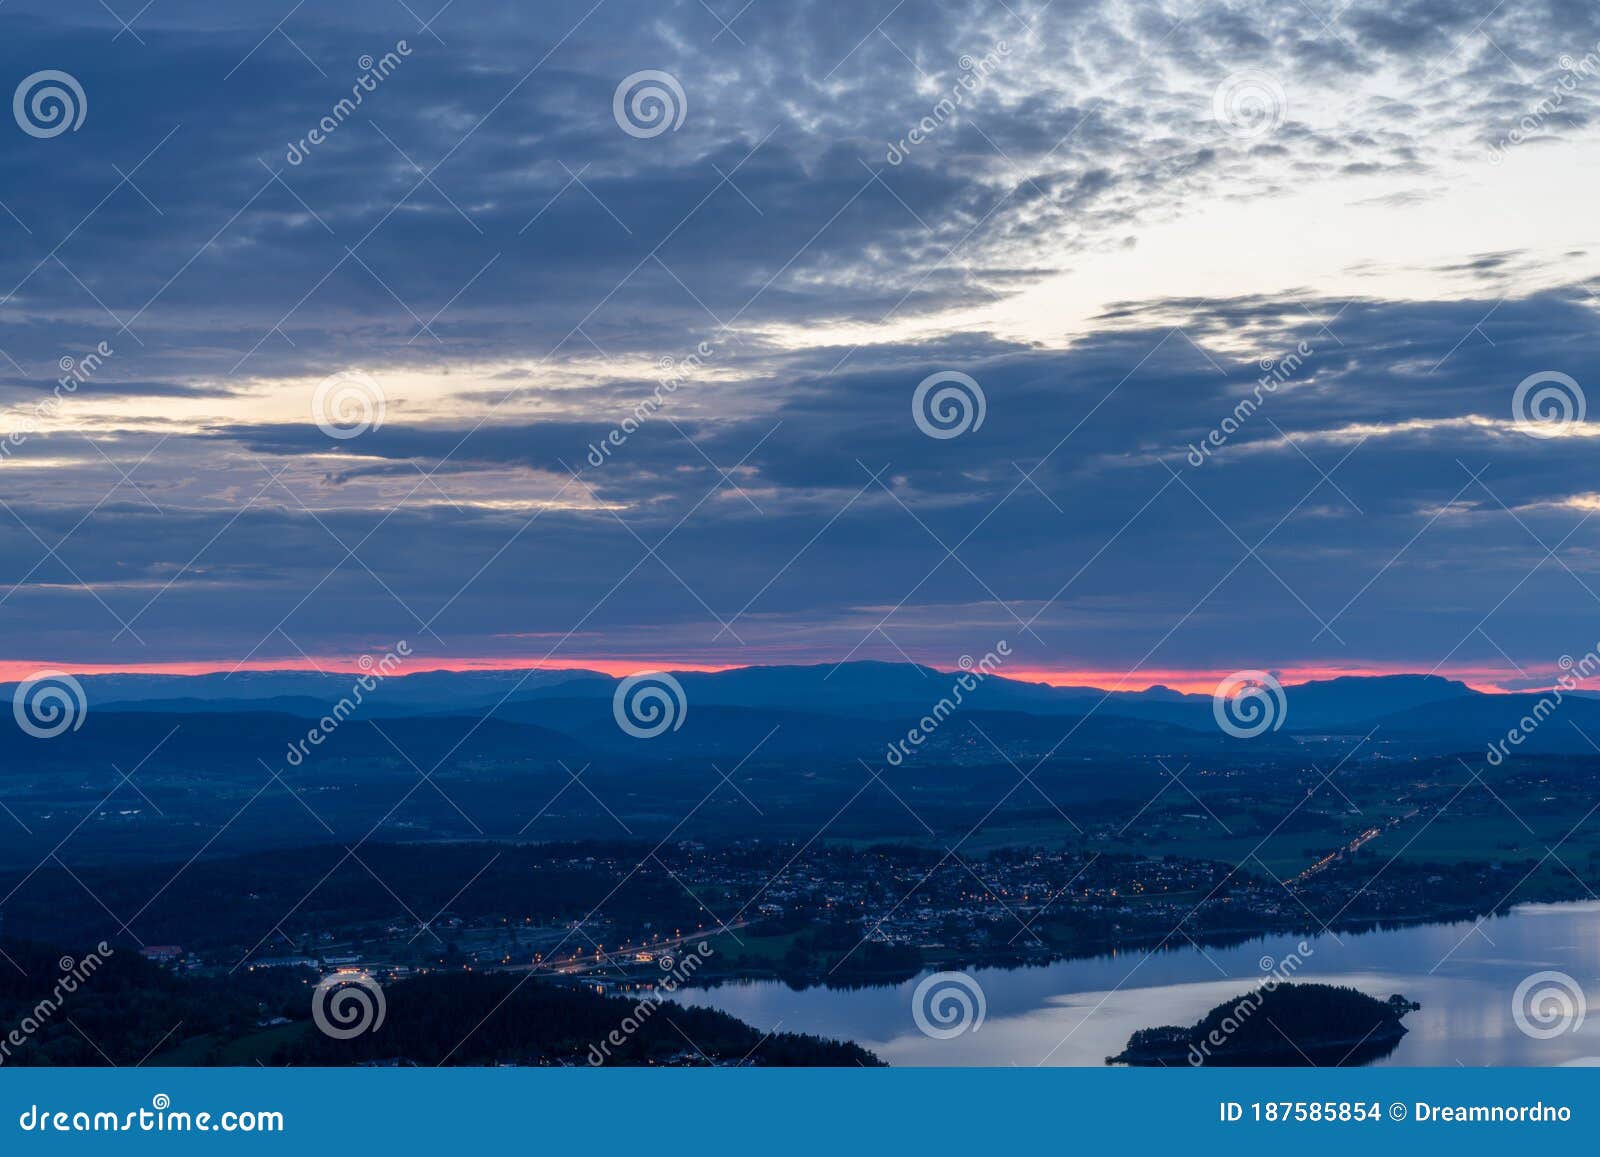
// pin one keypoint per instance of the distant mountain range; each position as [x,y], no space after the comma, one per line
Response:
[860,707]
[853,688]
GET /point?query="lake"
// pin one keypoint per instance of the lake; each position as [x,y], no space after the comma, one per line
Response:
[1078,1012]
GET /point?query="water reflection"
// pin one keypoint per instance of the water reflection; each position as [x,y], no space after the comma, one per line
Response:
[1079,1012]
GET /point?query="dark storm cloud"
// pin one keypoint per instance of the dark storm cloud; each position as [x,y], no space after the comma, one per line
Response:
[1103,430]
[1057,140]
[482,209]
[22,389]
[1369,364]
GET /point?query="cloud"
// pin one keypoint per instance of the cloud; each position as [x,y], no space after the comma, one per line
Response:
[1081,234]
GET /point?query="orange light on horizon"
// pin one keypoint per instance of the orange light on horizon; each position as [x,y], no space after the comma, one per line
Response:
[14,670]
[1190,680]
[1204,681]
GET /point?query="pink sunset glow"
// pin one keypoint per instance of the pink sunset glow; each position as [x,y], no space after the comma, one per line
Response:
[1193,680]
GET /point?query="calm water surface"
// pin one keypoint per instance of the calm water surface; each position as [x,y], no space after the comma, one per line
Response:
[1078,1012]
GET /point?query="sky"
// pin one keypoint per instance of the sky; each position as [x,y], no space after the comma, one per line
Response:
[601,334]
